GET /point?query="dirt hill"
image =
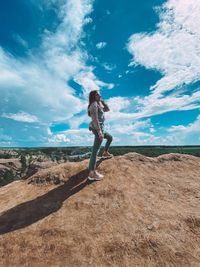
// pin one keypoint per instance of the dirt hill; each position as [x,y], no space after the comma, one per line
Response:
[145,213]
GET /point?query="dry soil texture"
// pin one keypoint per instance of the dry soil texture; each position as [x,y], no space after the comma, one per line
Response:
[145,213]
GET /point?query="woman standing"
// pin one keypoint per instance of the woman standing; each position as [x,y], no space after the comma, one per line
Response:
[96,109]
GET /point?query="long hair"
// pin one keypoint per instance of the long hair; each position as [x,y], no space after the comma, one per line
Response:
[92,99]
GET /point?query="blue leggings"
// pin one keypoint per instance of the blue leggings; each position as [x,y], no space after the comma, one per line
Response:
[96,147]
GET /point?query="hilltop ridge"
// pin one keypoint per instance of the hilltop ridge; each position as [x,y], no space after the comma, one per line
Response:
[145,212]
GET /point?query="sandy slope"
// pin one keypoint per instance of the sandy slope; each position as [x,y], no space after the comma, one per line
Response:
[144,213]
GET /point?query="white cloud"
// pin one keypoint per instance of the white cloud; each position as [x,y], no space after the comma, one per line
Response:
[59,138]
[128,128]
[138,107]
[175,135]
[22,116]
[76,137]
[27,85]
[101,45]
[173,49]
[5,143]
[76,121]
[58,47]
[20,40]
[151,105]
[37,85]
[189,134]
[118,103]
[88,20]
[129,133]
[89,81]
[190,128]
[123,109]
[9,71]
[152,130]
[40,80]
[109,67]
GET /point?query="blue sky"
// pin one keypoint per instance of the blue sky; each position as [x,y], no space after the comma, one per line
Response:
[143,56]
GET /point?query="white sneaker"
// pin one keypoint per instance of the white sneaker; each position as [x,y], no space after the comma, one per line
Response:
[99,174]
[94,176]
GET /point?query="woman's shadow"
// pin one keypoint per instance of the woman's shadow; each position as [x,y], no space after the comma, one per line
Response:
[34,210]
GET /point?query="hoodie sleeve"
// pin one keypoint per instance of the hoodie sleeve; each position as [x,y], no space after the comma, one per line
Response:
[94,115]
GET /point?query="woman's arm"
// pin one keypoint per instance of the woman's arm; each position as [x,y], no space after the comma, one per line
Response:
[105,106]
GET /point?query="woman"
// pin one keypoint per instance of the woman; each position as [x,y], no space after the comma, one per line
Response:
[96,109]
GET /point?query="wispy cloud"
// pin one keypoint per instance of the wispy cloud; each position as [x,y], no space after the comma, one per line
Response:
[20,40]
[22,116]
[101,45]
[109,67]
[173,49]
[35,88]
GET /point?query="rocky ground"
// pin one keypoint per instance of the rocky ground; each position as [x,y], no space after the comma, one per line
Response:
[145,212]
[22,163]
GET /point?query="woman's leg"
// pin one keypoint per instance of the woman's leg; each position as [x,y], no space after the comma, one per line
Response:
[95,148]
[109,140]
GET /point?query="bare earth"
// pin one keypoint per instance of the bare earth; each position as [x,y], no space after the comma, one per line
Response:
[145,212]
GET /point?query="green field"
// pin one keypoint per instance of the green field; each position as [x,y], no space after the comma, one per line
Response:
[154,151]
[58,153]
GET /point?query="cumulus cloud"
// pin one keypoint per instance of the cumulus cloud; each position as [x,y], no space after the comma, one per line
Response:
[189,134]
[121,122]
[59,138]
[191,128]
[75,137]
[173,49]
[25,86]
[35,89]
[127,133]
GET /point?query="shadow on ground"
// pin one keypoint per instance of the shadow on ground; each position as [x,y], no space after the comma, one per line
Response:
[34,210]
